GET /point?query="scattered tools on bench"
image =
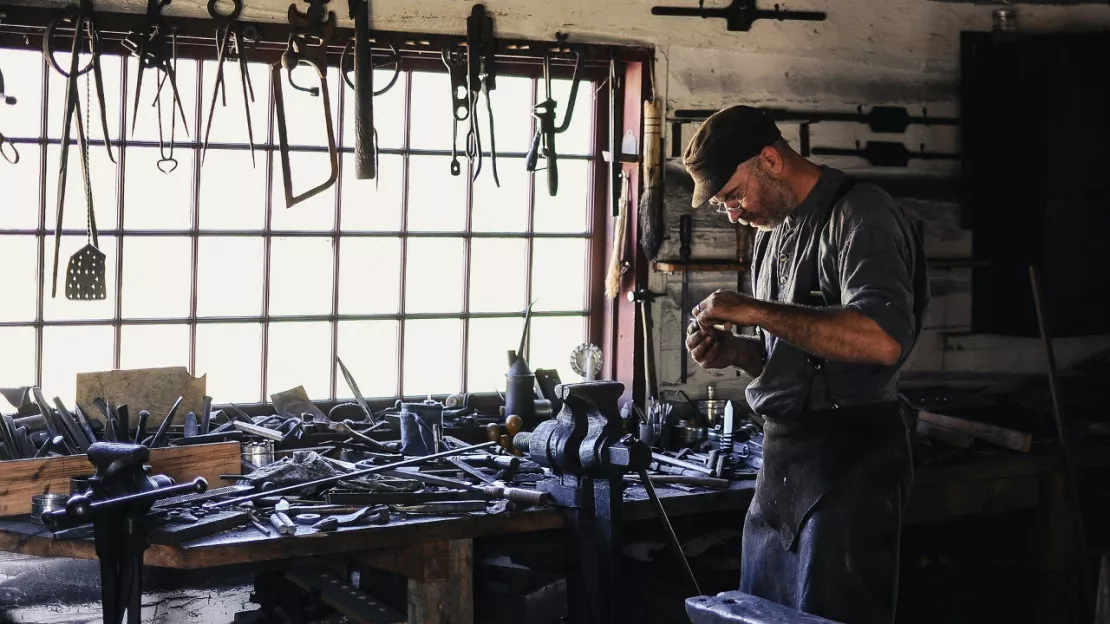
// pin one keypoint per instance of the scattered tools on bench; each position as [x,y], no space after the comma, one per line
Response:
[543,143]
[309,36]
[235,41]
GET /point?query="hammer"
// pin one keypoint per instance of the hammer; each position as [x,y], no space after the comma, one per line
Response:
[645,298]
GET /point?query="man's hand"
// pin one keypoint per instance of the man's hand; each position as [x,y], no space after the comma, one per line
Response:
[727,307]
[711,348]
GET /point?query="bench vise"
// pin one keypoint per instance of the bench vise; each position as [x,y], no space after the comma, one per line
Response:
[118,503]
[588,453]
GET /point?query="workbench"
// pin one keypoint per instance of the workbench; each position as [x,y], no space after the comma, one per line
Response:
[435,554]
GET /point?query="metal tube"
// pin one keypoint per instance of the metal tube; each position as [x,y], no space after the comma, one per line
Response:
[415,461]
[666,459]
[671,537]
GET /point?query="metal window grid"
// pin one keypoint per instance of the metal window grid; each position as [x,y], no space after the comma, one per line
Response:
[120,234]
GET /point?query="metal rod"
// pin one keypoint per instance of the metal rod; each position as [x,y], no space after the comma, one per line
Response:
[415,461]
[666,459]
[1065,446]
[671,537]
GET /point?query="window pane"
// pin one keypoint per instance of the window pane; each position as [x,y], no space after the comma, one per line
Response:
[17,364]
[20,257]
[487,361]
[231,355]
[304,113]
[229,123]
[155,200]
[157,276]
[232,193]
[86,96]
[432,124]
[23,80]
[61,309]
[301,275]
[552,340]
[503,209]
[498,274]
[146,127]
[369,275]
[67,351]
[434,275]
[389,110]
[437,199]
[229,276]
[433,357]
[372,205]
[315,213]
[21,201]
[566,212]
[154,346]
[559,273]
[298,356]
[578,138]
[369,351]
[103,182]
[512,111]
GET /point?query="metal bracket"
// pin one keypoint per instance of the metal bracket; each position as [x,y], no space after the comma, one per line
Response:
[739,14]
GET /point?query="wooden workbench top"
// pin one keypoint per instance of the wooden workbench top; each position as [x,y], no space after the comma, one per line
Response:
[247,545]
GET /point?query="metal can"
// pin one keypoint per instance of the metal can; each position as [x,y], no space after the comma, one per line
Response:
[42,503]
[259,452]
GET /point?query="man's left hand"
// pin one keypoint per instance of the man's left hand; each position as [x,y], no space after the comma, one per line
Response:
[727,306]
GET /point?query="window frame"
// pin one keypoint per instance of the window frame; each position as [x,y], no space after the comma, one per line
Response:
[14,34]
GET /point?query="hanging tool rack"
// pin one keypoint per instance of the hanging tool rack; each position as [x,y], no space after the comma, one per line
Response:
[23,26]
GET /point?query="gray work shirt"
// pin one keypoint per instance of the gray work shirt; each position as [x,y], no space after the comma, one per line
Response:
[864,254]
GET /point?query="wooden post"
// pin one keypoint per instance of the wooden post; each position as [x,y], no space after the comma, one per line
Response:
[444,594]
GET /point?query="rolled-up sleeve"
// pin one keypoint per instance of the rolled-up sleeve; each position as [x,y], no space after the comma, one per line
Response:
[875,269]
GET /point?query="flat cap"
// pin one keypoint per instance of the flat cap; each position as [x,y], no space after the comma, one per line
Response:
[728,138]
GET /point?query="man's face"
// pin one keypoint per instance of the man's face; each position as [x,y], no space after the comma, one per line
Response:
[754,197]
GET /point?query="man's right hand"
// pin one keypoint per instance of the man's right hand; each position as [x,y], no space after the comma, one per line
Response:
[712,348]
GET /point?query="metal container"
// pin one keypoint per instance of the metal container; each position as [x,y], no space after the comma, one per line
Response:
[42,503]
[259,452]
[520,391]
[79,485]
[1005,20]
[712,407]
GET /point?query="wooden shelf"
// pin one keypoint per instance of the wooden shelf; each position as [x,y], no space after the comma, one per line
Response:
[699,266]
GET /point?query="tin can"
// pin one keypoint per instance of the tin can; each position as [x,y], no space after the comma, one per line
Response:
[43,503]
[259,452]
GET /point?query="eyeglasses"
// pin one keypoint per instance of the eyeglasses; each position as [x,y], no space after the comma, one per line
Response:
[721,206]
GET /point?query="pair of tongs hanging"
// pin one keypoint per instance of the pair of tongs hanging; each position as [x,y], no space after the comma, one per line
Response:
[543,143]
[309,35]
[234,41]
[7,148]
[481,78]
[85,276]
[155,48]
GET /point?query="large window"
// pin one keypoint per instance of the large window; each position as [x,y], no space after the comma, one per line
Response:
[417,280]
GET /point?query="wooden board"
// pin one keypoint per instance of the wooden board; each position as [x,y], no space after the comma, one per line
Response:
[948,436]
[23,478]
[152,389]
[1006,438]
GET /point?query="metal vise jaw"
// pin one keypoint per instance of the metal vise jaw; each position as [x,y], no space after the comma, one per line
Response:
[586,449]
[585,440]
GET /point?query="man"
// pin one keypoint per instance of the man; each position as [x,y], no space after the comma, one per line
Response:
[838,276]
